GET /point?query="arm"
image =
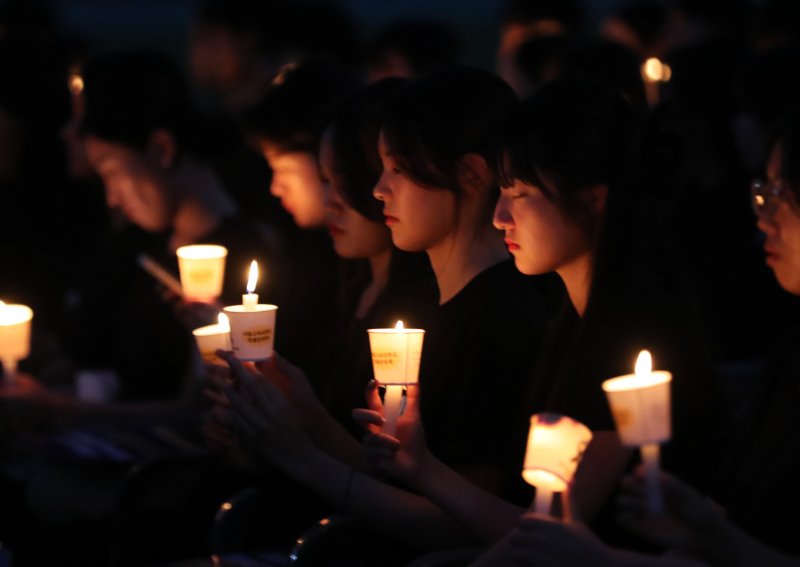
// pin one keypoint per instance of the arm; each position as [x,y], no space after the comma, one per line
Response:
[693,523]
[271,427]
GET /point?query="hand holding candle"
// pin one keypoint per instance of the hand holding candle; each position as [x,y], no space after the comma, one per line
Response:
[396,355]
[555,446]
[252,324]
[640,404]
[15,337]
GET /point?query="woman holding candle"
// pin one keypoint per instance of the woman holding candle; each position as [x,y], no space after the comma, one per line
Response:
[757,488]
[567,205]
[437,191]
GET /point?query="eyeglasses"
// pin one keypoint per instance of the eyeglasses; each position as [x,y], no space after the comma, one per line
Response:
[766,195]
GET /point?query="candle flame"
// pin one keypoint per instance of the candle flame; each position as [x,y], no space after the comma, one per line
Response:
[656,71]
[253,277]
[223,320]
[399,325]
[644,364]
[76,84]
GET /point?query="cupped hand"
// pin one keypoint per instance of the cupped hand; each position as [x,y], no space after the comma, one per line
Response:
[267,424]
[687,519]
[403,455]
[544,541]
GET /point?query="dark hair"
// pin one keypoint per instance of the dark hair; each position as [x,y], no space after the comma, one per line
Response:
[440,119]
[128,95]
[574,133]
[293,114]
[425,45]
[786,134]
[354,135]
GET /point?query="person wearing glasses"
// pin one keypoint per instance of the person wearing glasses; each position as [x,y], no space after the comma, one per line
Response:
[757,488]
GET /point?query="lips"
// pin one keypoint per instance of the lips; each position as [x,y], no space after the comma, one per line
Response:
[511,245]
[334,230]
[390,220]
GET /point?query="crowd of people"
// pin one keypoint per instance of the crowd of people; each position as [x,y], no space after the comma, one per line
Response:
[542,221]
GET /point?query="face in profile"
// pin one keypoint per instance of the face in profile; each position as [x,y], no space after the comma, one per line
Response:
[780,223]
[353,234]
[538,234]
[420,218]
[133,184]
[296,182]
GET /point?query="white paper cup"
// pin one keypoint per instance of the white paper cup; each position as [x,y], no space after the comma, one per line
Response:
[396,355]
[641,407]
[210,339]
[555,446]
[252,330]
[202,269]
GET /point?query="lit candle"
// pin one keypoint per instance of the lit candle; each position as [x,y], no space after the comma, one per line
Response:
[202,269]
[654,72]
[555,447]
[15,336]
[250,299]
[396,356]
[641,406]
[212,338]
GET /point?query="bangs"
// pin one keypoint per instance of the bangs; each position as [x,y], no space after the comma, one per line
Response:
[516,159]
[414,153]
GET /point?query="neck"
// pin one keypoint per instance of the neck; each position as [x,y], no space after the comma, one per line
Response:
[379,268]
[577,278]
[457,259]
[201,204]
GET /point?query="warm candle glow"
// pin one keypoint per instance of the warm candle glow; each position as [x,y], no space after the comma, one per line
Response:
[399,325]
[644,364]
[75,84]
[252,279]
[656,71]
[223,320]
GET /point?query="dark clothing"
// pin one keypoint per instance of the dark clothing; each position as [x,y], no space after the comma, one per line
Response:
[759,485]
[476,360]
[409,296]
[580,354]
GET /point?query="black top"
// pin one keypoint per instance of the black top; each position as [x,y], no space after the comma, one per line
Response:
[759,485]
[580,354]
[409,296]
[476,360]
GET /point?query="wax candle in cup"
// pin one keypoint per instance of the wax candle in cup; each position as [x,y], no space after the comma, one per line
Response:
[15,337]
[640,404]
[212,338]
[252,324]
[555,447]
[396,355]
[202,270]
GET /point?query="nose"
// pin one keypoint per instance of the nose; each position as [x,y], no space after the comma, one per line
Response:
[112,196]
[381,190]
[502,219]
[333,202]
[276,186]
[765,223]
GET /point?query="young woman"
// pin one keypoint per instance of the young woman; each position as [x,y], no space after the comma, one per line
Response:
[568,206]
[287,125]
[437,191]
[748,522]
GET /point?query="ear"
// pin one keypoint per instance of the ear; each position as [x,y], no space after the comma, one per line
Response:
[474,174]
[161,148]
[595,197]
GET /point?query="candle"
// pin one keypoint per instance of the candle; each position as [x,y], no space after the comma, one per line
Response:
[555,447]
[396,355]
[15,336]
[202,270]
[654,72]
[640,404]
[250,299]
[212,338]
